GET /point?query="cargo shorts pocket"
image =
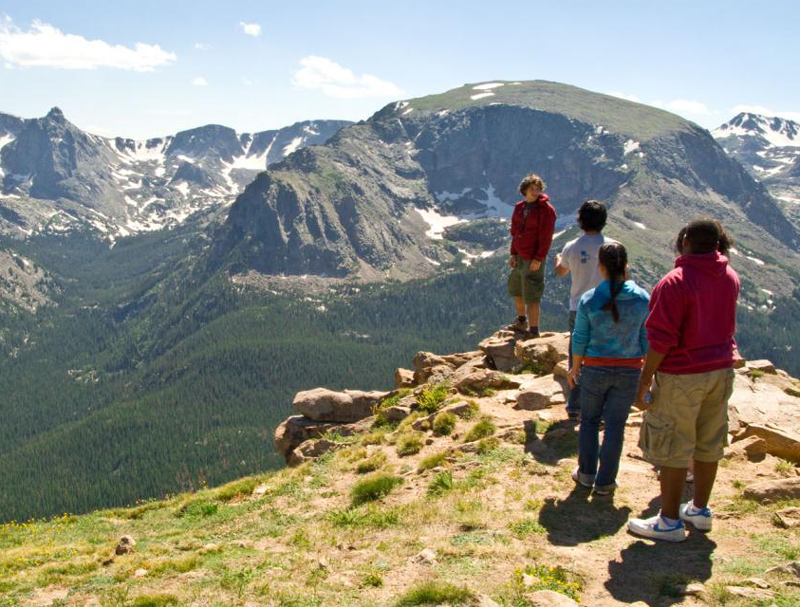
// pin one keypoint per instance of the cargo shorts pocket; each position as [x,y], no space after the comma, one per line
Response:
[655,438]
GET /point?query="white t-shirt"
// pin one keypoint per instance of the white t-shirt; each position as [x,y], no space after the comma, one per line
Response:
[580,256]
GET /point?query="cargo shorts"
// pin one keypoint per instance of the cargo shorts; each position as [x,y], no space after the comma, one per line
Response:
[688,418]
[526,284]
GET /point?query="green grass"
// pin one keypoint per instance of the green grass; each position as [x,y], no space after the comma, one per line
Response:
[526,527]
[481,429]
[431,399]
[155,600]
[369,517]
[435,593]
[374,487]
[444,423]
[472,411]
[784,466]
[432,461]
[373,438]
[441,483]
[372,463]
[409,443]
[543,577]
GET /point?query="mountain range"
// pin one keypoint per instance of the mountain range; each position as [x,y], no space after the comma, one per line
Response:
[161,300]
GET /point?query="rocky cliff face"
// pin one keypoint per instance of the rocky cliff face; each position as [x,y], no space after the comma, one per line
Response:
[57,178]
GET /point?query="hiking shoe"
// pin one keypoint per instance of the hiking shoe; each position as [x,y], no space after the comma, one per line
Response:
[657,528]
[520,326]
[532,334]
[584,480]
[574,415]
[690,477]
[700,518]
[605,489]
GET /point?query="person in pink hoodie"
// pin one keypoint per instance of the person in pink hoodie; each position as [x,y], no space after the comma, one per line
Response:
[689,366]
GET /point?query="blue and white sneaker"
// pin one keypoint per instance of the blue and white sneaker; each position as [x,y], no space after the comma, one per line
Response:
[701,518]
[657,528]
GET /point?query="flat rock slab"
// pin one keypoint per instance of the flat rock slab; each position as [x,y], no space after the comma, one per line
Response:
[774,490]
[321,404]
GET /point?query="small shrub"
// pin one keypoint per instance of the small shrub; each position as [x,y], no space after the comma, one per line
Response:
[235,489]
[409,443]
[374,487]
[437,459]
[435,593]
[481,429]
[487,445]
[199,508]
[155,600]
[431,399]
[441,483]
[372,580]
[755,373]
[543,577]
[472,411]
[783,466]
[370,517]
[353,455]
[373,438]
[444,423]
[372,463]
[337,437]
[391,401]
[405,425]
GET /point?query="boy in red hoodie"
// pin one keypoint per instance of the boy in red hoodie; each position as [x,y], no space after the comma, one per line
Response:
[532,226]
[692,350]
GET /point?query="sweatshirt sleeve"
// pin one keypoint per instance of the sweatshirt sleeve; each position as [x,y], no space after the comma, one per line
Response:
[667,310]
[582,331]
[513,219]
[547,226]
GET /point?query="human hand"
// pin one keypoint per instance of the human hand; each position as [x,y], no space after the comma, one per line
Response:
[643,396]
[512,261]
[572,377]
[535,265]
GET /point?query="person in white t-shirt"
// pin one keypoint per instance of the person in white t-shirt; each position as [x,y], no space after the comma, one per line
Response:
[579,258]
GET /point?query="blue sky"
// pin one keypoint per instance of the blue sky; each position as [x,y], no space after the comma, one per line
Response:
[143,69]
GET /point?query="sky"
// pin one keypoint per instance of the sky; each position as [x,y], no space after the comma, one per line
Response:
[146,69]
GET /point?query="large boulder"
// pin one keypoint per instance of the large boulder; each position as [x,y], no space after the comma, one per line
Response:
[543,353]
[499,350]
[404,378]
[321,404]
[760,402]
[776,441]
[539,394]
[298,429]
[312,449]
[479,380]
[774,490]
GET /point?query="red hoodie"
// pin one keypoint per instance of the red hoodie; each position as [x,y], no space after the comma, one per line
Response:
[531,236]
[693,315]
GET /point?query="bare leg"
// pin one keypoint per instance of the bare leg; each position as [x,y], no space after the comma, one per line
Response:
[704,475]
[533,314]
[520,306]
[673,481]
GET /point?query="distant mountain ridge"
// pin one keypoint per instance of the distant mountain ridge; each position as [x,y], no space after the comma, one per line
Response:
[769,148]
[118,186]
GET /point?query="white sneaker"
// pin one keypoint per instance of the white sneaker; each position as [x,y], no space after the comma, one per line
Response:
[584,480]
[701,518]
[657,528]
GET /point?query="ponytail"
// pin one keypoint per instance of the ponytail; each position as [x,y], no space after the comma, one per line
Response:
[614,258]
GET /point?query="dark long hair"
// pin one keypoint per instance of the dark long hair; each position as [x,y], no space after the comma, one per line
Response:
[614,258]
[705,235]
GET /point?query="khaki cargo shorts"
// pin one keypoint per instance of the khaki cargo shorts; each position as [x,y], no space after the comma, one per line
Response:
[526,284]
[688,418]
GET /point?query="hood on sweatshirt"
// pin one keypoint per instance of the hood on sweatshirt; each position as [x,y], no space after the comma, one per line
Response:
[714,264]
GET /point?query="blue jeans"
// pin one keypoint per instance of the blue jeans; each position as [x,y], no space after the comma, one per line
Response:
[607,393]
[573,402]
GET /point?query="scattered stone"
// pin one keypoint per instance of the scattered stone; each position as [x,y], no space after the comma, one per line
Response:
[780,442]
[499,350]
[774,490]
[540,394]
[404,378]
[430,367]
[750,593]
[484,379]
[561,369]
[753,448]
[396,413]
[543,353]
[425,557]
[549,598]
[140,573]
[791,584]
[459,409]
[693,589]
[312,449]
[485,601]
[108,561]
[758,582]
[125,545]
[209,548]
[787,518]
[791,568]
[260,491]
[298,429]
[462,358]
[762,365]
[321,404]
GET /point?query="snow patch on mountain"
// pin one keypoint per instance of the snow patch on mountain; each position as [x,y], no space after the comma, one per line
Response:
[437,223]
[481,95]
[487,86]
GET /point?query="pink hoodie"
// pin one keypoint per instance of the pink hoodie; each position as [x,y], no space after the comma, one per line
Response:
[693,315]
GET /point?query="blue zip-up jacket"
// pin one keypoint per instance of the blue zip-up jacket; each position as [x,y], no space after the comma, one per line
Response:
[596,333]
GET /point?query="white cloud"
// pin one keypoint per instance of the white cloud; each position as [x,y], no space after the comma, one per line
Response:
[199,81]
[199,46]
[760,109]
[337,81]
[46,46]
[251,29]
[685,106]
[633,98]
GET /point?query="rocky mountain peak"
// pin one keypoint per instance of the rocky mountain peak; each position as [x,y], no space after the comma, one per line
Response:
[777,131]
[55,114]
